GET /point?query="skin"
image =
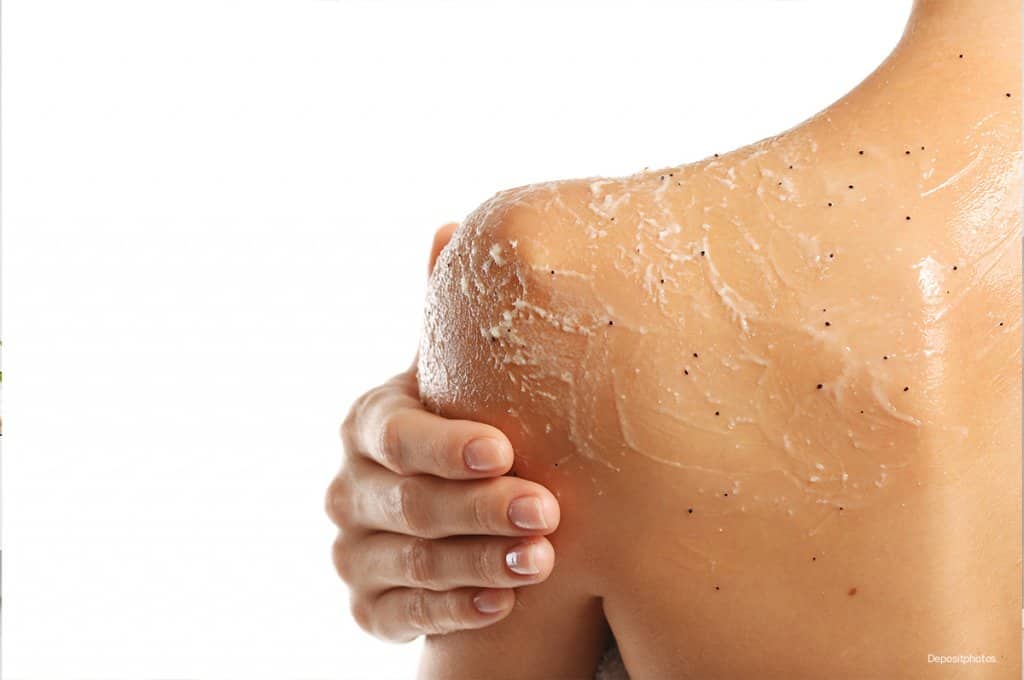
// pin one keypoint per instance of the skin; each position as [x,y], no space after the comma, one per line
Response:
[775,424]
[424,529]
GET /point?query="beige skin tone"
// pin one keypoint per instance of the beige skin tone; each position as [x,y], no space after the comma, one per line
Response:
[833,390]
[425,518]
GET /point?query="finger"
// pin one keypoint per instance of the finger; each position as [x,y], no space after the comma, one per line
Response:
[403,614]
[429,507]
[441,238]
[395,430]
[387,560]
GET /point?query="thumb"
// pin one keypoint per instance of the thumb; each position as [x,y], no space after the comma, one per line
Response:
[441,238]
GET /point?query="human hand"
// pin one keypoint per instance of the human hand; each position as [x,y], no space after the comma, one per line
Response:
[432,536]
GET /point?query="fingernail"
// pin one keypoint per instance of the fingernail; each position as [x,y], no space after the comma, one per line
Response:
[489,601]
[483,455]
[527,513]
[520,560]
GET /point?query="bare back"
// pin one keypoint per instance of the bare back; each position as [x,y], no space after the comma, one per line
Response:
[797,366]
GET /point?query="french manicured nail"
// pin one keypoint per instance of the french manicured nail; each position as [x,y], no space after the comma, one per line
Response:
[483,455]
[520,559]
[527,513]
[489,601]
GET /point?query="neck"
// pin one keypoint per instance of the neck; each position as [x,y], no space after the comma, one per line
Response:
[987,31]
[957,67]
[957,57]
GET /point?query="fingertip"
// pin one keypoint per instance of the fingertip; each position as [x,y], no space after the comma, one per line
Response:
[545,558]
[492,602]
[441,238]
[533,558]
[445,231]
[552,511]
[531,508]
[489,454]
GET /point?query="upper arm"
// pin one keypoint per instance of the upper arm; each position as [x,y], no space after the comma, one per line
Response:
[554,631]
[507,319]
[501,345]
[517,315]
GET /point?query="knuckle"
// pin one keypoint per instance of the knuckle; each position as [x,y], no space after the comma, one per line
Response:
[343,560]
[484,566]
[480,508]
[337,502]
[412,511]
[332,499]
[348,424]
[361,613]
[419,563]
[417,611]
[389,444]
[453,613]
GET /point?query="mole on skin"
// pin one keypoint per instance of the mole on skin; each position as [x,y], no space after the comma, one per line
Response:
[883,439]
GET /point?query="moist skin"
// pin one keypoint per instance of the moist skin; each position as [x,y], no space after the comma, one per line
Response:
[777,390]
[683,299]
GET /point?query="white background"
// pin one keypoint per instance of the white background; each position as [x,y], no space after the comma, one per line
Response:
[216,220]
